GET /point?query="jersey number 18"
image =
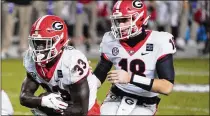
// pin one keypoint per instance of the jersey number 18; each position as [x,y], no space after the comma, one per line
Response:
[135,66]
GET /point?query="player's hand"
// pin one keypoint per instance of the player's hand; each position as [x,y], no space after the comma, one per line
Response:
[118,76]
[52,101]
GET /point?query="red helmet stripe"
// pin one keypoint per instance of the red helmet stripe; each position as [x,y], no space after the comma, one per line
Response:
[39,22]
[118,5]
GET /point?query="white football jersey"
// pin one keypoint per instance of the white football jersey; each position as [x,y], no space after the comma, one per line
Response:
[71,68]
[140,59]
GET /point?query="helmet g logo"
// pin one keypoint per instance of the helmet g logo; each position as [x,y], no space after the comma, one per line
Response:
[115,51]
[137,4]
[57,26]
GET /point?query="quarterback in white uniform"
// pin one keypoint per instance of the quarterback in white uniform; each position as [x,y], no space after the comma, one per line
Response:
[142,59]
[60,69]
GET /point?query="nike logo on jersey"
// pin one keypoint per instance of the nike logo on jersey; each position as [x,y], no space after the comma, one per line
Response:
[144,53]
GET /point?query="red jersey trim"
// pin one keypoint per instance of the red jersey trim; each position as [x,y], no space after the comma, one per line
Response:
[162,56]
[137,46]
[48,72]
[105,56]
[95,110]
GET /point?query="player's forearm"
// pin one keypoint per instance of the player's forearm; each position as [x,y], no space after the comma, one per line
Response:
[162,86]
[29,100]
[28,89]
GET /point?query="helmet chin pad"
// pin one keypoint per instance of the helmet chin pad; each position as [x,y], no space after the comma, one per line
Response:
[40,57]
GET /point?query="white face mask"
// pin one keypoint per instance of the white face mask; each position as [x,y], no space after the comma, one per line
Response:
[43,48]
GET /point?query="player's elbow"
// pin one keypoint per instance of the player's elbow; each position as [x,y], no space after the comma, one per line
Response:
[22,99]
[168,90]
[168,87]
[163,86]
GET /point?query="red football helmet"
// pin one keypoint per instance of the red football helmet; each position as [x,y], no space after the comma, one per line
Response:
[47,38]
[133,11]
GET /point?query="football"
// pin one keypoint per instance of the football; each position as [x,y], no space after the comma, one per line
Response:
[48,111]
[47,93]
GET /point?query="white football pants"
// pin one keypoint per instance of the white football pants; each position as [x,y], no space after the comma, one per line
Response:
[112,104]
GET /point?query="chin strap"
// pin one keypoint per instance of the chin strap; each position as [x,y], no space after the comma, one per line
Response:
[140,30]
[146,20]
[40,57]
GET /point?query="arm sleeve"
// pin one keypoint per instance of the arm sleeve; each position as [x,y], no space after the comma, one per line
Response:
[165,68]
[102,68]
[105,64]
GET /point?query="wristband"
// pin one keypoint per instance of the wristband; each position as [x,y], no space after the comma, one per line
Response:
[142,82]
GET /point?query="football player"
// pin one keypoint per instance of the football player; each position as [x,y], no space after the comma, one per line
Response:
[143,61]
[60,69]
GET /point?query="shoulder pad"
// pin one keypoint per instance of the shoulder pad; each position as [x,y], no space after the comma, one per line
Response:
[165,42]
[108,37]
[28,62]
[77,63]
